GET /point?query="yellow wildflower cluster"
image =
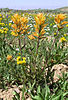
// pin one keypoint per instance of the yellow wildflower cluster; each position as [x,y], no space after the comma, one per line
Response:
[58,20]
[2,24]
[19,61]
[4,30]
[39,26]
[14,34]
[0,18]
[0,15]
[1,31]
[63,39]
[20,25]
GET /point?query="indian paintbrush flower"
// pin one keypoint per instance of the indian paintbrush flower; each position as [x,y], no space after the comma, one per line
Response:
[58,20]
[9,57]
[39,26]
[20,25]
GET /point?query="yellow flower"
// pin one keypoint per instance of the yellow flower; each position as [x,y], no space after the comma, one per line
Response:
[9,57]
[24,58]
[50,24]
[63,39]
[5,32]
[18,58]
[5,29]
[2,24]
[19,61]
[67,25]
[0,19]
[65,34]
[0,15]
[55,33]
[1,31]
[14,34]
[10,24]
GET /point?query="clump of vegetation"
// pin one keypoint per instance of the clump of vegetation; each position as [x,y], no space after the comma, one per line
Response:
[30,44]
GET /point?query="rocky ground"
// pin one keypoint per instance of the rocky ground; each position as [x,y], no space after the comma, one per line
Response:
[8,94]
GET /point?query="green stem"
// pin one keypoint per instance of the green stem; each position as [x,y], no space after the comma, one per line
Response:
[37,46]
[24,43]
[4,45]
[54,41]
[20,46]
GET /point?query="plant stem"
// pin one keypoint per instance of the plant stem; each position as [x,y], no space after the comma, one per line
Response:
[54,40]
[20,46]
[37,46]
[24,43]
[4,48]
[51,47]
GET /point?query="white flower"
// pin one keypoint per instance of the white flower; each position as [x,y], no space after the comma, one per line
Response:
[17,49]
[29,90]
[48,29]
[47,33]
[10,21]
[54,26]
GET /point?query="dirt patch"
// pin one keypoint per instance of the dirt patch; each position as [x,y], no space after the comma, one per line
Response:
[58,70]
[8,94]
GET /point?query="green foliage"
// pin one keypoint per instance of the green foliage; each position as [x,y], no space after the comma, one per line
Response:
[59,92]
[40,53]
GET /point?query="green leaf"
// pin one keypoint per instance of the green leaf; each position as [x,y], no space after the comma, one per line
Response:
[66,93]
[47,94]
[17,96]
[37,98]
[56,97]
[38,90]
